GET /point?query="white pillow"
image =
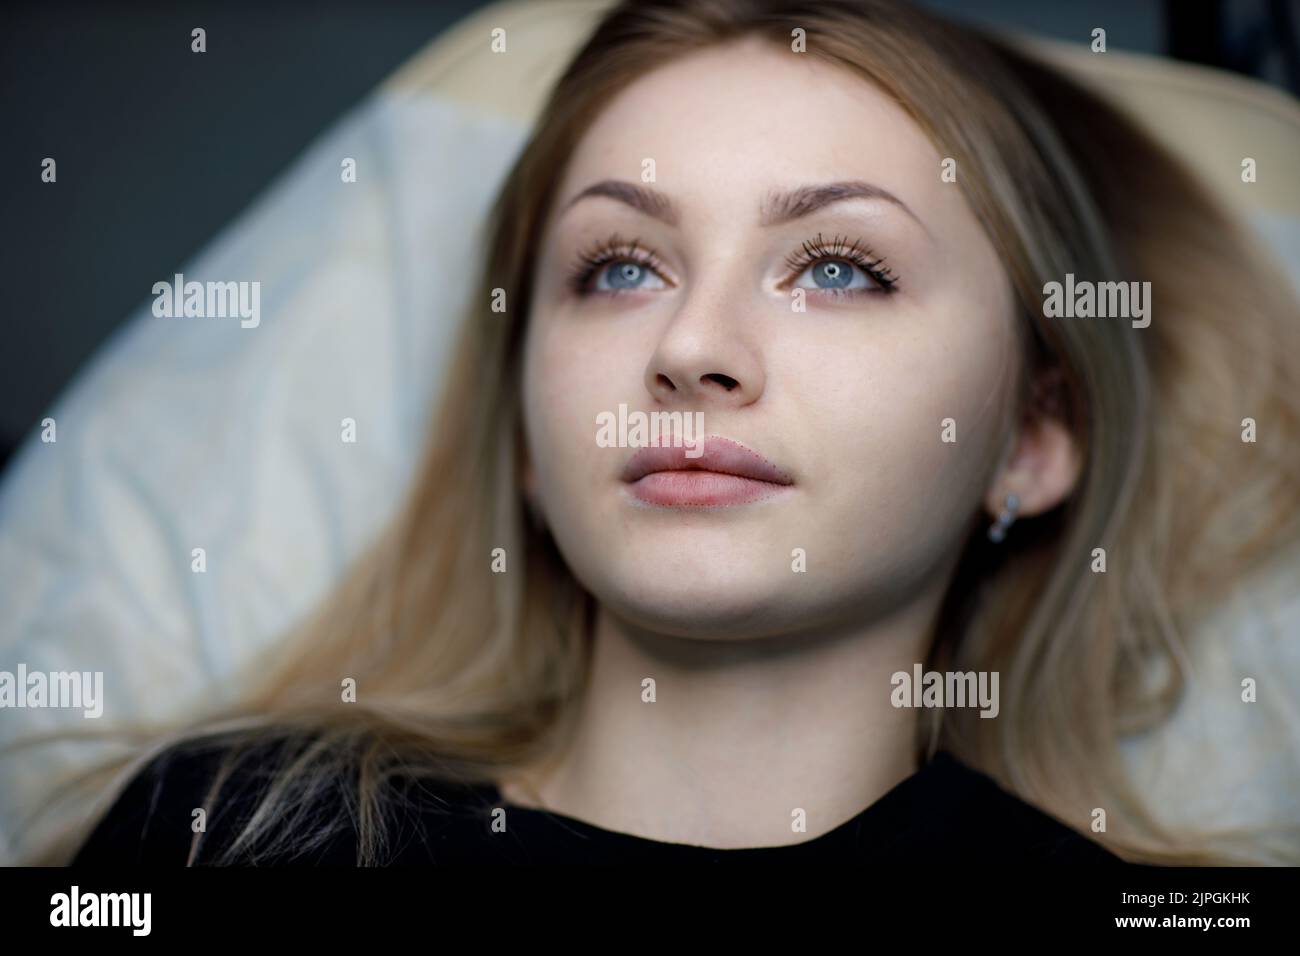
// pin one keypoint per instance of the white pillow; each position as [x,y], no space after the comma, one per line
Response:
[1219,761]
[187,433]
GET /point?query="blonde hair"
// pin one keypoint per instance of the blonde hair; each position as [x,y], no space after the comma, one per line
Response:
[464,674]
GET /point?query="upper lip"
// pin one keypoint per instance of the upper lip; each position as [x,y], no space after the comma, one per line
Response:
[720,455]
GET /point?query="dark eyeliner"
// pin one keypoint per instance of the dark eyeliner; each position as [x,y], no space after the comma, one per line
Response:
[817,250]
[604,251]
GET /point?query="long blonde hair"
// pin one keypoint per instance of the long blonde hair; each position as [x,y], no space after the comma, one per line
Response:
[465,673]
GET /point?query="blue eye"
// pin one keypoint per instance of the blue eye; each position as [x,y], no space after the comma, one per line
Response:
[839,268]
[624,274]
[835,275]
[613,266]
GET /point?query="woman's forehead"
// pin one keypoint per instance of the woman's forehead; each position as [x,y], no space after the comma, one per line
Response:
[731,125]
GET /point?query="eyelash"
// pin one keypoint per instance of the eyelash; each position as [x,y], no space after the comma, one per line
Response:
[601,254]
[813,251]
[816,250]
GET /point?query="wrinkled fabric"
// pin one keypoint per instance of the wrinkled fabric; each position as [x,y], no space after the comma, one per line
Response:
[187,433]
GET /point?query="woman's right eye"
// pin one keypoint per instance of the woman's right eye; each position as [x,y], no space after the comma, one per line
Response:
[625,275]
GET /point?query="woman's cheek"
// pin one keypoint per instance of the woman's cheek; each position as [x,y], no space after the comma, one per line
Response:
[915,441]
[566,386]
[548,421]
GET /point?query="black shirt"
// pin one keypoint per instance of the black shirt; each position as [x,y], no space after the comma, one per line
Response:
[946,811]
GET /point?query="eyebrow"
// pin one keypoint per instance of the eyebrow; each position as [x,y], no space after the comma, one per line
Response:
[780,206]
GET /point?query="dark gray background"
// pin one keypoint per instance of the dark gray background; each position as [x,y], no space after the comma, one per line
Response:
[157,148]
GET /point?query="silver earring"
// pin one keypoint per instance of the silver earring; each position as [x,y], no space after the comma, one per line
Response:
[998,530]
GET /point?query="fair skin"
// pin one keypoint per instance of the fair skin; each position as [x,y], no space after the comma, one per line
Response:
[772,686]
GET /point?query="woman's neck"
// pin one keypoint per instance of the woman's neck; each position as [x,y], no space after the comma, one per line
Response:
[719,742]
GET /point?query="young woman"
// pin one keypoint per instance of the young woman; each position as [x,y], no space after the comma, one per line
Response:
[824,231]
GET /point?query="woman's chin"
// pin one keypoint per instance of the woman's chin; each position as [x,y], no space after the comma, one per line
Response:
[730,612]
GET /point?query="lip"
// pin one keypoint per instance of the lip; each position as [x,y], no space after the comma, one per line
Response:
[727,473]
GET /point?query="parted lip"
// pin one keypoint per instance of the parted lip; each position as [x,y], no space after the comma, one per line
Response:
[720,455]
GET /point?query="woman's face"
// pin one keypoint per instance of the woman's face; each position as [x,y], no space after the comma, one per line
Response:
[829,332]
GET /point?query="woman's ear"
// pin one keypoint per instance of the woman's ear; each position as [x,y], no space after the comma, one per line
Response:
[1043,467]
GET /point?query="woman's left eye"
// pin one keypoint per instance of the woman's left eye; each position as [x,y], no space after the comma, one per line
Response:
[626,275]
[834,275]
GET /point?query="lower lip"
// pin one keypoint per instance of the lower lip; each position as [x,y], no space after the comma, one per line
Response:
[701,489]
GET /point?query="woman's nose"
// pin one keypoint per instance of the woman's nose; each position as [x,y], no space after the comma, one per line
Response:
[704,357]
